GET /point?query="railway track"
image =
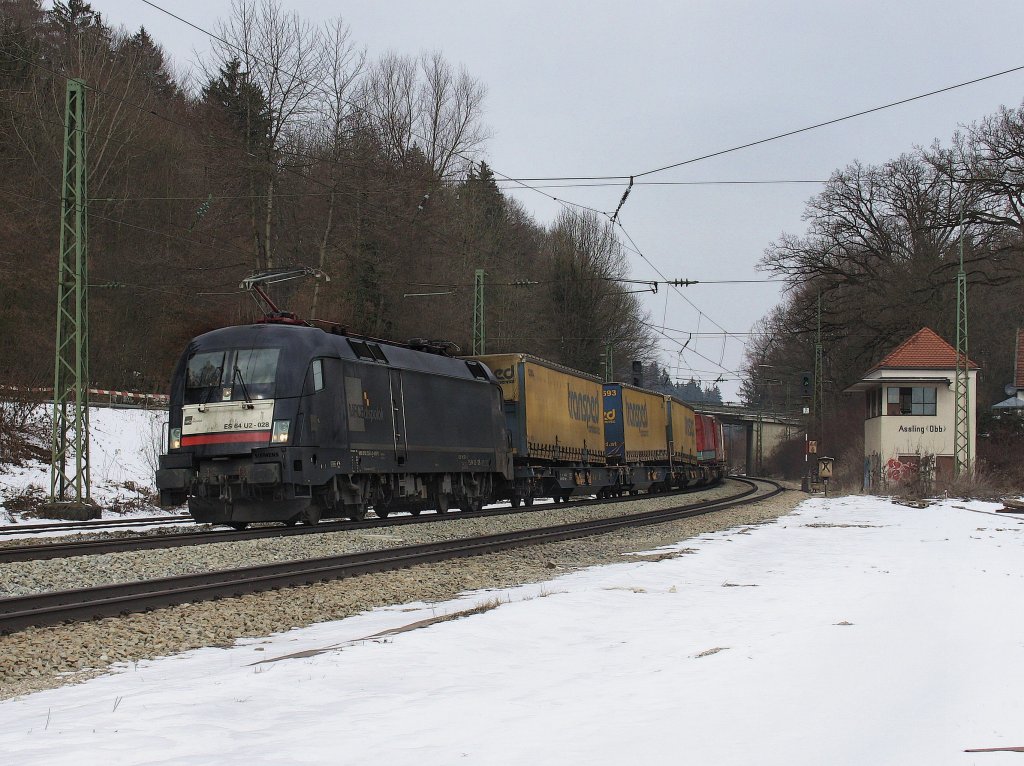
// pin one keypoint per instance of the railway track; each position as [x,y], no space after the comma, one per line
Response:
[96,525]
[42,551]
[107,601]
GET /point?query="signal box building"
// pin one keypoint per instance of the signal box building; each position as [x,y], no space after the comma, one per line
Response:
[910,411]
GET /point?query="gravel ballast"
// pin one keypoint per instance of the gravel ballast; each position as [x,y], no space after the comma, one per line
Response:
[41,658]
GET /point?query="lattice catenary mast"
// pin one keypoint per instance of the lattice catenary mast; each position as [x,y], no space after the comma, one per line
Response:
[70,437]
[961,387]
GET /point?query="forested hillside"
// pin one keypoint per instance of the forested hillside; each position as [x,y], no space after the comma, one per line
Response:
[882,250]
[290,145]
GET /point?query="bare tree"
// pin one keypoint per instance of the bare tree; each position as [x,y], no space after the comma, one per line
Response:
[422,104]
[448,117]
[390,104]
[589,307]
[281,55]
[343,64]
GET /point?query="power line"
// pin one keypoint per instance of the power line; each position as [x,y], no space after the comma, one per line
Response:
[676,183]
[354,105]
[172,121]
[829,122]
[200,197]
[141,228]
[637,250]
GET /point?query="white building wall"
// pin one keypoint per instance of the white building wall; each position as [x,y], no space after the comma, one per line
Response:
[892,435]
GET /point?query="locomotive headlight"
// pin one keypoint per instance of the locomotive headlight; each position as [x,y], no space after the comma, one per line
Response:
[175,440]
[280,434]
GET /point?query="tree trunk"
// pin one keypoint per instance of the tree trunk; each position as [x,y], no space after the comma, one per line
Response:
[323,255]
[267,224]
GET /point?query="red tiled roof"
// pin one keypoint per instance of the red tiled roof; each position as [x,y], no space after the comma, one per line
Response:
[1018,360]
[924,350]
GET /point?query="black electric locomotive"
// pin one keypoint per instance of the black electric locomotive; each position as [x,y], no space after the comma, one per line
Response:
[287,422]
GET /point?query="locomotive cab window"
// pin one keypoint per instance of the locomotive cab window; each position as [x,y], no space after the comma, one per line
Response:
[254,373]
[234,375]
[204,370]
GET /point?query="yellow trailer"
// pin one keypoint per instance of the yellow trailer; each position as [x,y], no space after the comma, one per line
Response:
[636,424]
[683,431]
[553,413]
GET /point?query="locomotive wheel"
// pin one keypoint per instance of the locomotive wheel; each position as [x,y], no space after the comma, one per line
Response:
[292,521]
[415,511]
[528,501]
[310,516]
[355,511]
[516,500]
[238,525]
[382,513]
[442,503]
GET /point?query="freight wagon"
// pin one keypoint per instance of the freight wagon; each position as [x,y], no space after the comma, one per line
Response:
[654,435]
[554,419]
[710,447]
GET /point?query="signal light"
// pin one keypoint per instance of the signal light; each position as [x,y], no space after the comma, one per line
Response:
[806,383]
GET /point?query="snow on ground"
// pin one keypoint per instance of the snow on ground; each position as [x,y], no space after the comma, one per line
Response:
[854,631]
[123,449]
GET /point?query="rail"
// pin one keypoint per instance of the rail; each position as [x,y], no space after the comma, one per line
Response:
[112,600]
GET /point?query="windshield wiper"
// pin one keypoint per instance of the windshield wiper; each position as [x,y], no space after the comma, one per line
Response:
[245,391]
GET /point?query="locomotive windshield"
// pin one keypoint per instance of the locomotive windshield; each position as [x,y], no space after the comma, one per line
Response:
[231,375]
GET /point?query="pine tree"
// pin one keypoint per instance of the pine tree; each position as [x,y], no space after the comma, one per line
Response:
[243,103]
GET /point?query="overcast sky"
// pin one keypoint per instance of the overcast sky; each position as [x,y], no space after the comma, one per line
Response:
[615,88]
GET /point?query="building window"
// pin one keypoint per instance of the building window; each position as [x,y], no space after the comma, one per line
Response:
[911,400]
[873,400]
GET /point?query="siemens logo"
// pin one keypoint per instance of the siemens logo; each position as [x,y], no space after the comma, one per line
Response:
[636,415]
[584,407]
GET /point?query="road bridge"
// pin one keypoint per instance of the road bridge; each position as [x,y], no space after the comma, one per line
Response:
[753,432]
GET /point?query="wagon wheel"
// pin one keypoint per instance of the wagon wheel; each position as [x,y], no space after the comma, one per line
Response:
[442,502]
[528,501]
[516,500]
[355,511]
[382,513]
[238,525]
